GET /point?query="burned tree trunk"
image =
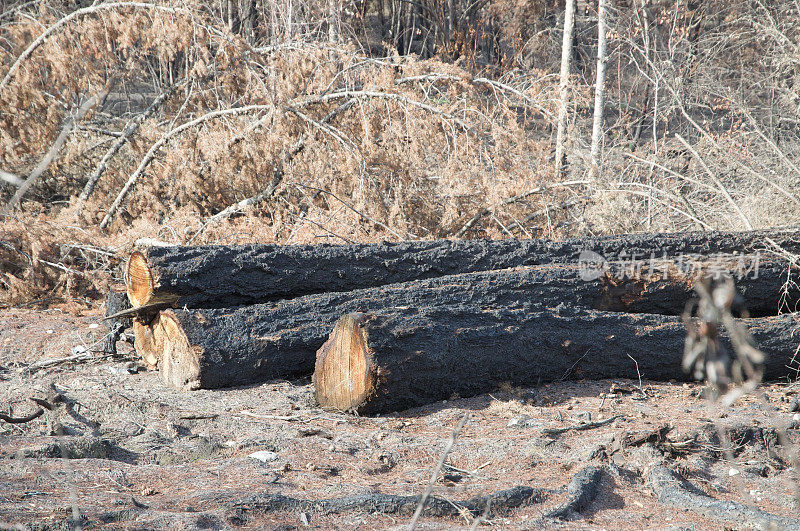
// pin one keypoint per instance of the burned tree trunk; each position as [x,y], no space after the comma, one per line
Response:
[221,347]
[382,363]
[227,276]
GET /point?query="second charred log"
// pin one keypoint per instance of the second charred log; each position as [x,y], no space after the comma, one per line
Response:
[382,363]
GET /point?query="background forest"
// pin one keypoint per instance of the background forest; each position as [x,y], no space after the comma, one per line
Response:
[311,121]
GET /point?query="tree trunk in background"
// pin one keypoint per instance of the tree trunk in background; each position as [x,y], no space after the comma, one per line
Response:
[381,18]
[333,20]
[566,55]
[599,90]
[248,11]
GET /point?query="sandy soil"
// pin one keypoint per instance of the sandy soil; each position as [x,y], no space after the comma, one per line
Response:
[144,456]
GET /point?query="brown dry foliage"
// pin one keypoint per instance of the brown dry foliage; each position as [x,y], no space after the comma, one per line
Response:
[416,159]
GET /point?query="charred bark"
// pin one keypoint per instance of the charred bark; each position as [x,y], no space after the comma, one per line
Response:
[117,302]
[227,276]
[412,357]
[209,348]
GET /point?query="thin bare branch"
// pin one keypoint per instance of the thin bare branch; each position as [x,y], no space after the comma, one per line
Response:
[72,16]
[130,128]
[714,178]
[66,129]
[436,471]
[151,153]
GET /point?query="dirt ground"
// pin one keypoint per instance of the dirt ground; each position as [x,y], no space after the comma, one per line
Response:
[144,456]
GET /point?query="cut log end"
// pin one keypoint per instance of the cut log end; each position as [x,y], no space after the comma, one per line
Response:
[343,377]
[163,343]
[140,280]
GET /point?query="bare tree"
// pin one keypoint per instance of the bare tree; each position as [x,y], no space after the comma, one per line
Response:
[566,55]
[599,90]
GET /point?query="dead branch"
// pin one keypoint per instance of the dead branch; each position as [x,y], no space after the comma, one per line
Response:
[533,215]
[66,129]
[478,81]
[10,178]
[581,427]
[130,128]
[151,153]
[350,207]
[382,95]
[521,95]
[714,178]
[21,420]
[469,224]
[72,16]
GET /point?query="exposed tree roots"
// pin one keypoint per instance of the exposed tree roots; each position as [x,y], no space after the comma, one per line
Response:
[582,491]
[391,504]
[672,489]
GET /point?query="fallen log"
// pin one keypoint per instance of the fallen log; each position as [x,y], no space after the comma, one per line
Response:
[382,363]
[227,276]
[210,348]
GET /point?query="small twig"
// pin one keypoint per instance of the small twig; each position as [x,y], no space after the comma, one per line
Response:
[436,472]
[641,389]
[288,418]
[581,427]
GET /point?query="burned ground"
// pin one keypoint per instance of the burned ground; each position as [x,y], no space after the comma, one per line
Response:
[142,455]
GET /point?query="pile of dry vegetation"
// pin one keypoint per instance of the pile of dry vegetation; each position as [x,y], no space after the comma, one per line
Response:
[310,121]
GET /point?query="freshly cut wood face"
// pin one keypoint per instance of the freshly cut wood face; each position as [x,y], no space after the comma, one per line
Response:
[140,280]
[145,344]
[179,361]
[342,379]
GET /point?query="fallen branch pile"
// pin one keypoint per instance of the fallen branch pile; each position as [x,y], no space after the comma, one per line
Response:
[391,326]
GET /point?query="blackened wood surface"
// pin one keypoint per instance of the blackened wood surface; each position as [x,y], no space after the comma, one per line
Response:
[421,357]
[227,276]
[278,340]
[117,302]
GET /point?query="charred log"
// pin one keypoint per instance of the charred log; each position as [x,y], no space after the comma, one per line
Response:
[208,348]
[493,504]
[411,357]
[226,276]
